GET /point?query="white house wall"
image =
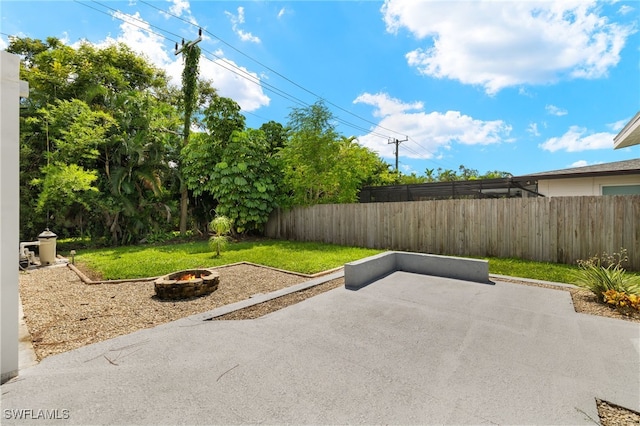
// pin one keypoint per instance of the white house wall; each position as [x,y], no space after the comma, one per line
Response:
[583,186]
[11,88]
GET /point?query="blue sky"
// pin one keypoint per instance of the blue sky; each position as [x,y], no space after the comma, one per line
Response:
[517,86]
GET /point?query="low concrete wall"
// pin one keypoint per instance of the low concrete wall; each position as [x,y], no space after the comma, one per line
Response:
[360,273]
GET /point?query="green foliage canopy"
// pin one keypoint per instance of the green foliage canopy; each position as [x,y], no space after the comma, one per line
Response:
[243,180]
[96,133]
[320,166]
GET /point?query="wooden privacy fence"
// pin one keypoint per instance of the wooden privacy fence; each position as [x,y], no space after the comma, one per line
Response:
[554,229]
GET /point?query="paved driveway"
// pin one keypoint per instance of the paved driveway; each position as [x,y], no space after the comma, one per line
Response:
[405,349]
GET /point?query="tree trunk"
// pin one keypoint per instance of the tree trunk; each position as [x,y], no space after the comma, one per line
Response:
[184,204]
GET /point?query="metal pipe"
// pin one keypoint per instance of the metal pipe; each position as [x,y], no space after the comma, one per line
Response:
[26,254]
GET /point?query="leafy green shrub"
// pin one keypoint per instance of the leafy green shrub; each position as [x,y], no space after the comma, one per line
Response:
[221,226]
[161,237]
[603,273]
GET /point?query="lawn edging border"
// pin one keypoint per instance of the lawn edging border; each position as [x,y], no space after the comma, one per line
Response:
[265,297]
[562,286]
[89,281]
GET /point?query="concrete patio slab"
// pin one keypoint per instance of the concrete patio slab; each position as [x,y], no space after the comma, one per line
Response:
[408,349]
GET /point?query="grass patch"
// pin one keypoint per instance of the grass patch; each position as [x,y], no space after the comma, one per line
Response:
[303,257]
[144,261]
[545,271]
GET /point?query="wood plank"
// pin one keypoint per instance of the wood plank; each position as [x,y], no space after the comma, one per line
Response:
[557,229]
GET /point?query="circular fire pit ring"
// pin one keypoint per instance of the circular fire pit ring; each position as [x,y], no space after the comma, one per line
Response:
[186,284]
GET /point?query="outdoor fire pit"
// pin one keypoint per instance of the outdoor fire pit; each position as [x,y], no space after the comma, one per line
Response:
[187,284]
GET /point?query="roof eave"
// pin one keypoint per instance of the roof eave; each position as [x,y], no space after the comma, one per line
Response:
[629,135]
[581,175]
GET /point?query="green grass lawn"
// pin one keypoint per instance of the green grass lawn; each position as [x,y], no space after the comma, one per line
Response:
[146,261]
[555,272]
[304,257]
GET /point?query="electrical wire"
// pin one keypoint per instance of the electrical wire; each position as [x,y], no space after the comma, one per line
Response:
[225,64]
[130,17]
[229,66]
[272,70]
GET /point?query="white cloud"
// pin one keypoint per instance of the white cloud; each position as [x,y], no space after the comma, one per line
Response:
[579,163]
[578,139]
[244,36]
[618,125]
[238,19]
[428,132]
[243,90]
[180,8]
[500,44]
[135,34]
[281,12]
[3,44]
[625,9]
[554,110]
[533,129]
[386,105]
[406,168]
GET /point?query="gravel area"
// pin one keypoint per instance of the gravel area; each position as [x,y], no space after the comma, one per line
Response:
[612,415]
[63,313]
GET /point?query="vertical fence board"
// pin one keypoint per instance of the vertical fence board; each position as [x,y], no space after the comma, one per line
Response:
[557,229]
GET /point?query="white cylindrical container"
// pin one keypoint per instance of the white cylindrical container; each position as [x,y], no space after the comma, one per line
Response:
[47,247]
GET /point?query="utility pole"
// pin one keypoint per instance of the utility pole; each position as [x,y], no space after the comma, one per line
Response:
[189,85]
[189,44]
[397,142]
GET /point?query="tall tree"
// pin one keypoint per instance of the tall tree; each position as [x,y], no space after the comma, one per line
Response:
[221,118]
[276,134]
[221,144]
[246,180]
[66,183]
[320,165]
[137,200]
[105,118]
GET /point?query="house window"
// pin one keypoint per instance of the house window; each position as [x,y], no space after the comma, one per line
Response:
[621,190]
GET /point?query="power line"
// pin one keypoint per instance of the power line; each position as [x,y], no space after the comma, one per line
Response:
[230,67]
[130,18]
[271,88]
[225,64]
[272,70]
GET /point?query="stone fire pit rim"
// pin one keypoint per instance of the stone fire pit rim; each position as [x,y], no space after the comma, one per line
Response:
[200,273]
[169,288]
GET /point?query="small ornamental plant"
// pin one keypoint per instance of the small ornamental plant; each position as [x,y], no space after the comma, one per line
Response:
[221,227]
[605,276]
[626,304]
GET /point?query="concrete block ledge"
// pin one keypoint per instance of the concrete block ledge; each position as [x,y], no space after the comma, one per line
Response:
[363,272]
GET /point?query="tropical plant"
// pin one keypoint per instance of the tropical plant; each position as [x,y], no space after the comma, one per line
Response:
[221,227]
[135,199]
[222,117]
[602,273]
[244,180]
[627,304]
[321,166]
[96,134]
